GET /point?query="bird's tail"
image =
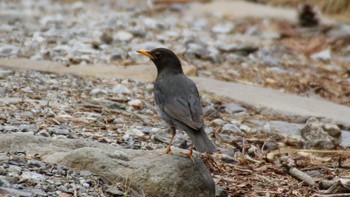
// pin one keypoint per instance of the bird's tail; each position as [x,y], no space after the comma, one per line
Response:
[201,141]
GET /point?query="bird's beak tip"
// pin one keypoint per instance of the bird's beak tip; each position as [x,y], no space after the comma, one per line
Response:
[146,53]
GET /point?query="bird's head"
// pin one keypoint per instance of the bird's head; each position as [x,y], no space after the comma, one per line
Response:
[164,59]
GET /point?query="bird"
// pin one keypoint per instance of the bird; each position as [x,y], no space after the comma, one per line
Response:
[178,101]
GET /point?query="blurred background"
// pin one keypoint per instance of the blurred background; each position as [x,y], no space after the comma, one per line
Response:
[300,47]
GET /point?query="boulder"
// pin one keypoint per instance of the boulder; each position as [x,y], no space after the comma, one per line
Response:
[147,172]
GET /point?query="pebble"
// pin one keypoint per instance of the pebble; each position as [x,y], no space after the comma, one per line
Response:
[121,89]
[233,108]
[136,103]
[114,191]
[231,128]
[123,36]
[5,73]
[98,92]
[217,122]
[36,164]
[322,55]
[223,28]
[32,176]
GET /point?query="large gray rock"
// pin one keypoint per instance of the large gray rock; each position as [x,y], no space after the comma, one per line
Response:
[320,135]
[145,171]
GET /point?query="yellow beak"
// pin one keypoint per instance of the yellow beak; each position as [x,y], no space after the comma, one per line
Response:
[146,53]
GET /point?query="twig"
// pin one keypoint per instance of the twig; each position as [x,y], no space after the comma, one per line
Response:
[302,176]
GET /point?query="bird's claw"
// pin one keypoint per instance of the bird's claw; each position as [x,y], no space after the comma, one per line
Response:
[167,151]
[189,154]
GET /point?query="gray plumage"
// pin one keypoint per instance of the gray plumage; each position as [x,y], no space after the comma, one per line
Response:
[178,100]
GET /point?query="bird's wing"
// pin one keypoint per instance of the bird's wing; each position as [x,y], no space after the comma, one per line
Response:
[187,110]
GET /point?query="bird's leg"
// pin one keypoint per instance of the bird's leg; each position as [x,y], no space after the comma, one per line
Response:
[173,132]
[189,153]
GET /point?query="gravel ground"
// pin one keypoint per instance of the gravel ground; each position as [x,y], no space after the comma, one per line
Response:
[266,52]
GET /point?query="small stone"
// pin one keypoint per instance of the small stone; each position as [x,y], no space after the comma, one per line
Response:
[128,139]
[4,182]
[136,103]
[322,55]
[85,173]
[8,50]
[223,28]
[123,36]
[44,133]
[98,92]
[233,108]
[86,185]
[5,73]
[116,55]
[106,38]
[217,122]
[58,131]
[231,128]
[149,130]
[32,176]
[4,158]
[114,191]
[10,128]
[245,128]
[121,89]
[135,132]
[227,159]
[36,164]
[27,128]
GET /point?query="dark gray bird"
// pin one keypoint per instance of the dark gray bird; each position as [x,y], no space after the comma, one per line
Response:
[178,100]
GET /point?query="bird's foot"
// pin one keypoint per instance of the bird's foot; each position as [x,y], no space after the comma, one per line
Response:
[190,155]
[167,151]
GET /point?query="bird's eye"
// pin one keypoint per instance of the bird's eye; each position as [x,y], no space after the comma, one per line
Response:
[157,55]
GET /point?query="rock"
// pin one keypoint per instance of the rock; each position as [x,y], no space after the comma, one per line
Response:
[135,103]
[4,182]
[44,133]
[223,28]
[98,92]
[233,108]
[62,130]
[227,159]
[318,135]
[27,128]
[8,50]
[17,192]
[121,89]
[85,173]
[36,164]
[9,128]
[217,122]
[114,191]
[322,55]
[106,38]
[32,176]
[219,192]
[345,138]
[123,36]
[289,129]
[151,174]
[4,158]
[231,128]
[116,55]
[148,45]
[210,111]
[5,73]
